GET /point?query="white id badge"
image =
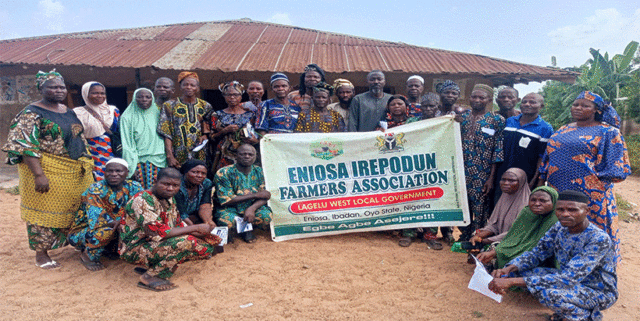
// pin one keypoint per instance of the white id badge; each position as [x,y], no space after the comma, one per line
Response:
[488,131]
[524,142]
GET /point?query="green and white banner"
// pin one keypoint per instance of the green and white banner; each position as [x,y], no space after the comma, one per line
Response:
[323,184]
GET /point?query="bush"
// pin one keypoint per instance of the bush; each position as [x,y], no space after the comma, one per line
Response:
[633,146]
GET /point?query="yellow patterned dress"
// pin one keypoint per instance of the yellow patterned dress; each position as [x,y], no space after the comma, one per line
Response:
[182,124]
[56,140]
[312,121]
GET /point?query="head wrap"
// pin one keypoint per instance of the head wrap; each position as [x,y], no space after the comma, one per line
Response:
[416,77]
[447,84]
[138,128]
[508,206]
[609,114]
[92,126]
[118,161]
[486,88]
[341,82]
[278,76]
[323,86]
[187,74]
[574,196]
[233,84]
[430,97]
[42,77]
[526,230]
[309,67]
[191,164]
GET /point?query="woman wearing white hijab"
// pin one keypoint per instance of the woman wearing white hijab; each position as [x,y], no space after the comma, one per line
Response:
[99,120]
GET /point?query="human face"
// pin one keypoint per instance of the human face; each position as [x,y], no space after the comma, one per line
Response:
[54,91]
[507,99]
[232,96]
[531,104]
[97,95]
[583,110]
[414,88]
[570,213]
[429,108]
[280,88]
[143,99]
[189,87]
[540,203]
[255,90]
[509,183]
[311,78]
[345,94]
[196,175]
[320,99]
[397,107]
[166,187]
[115,174]
[478,100]
[449,96]
[246,155]
[376,82]
[163,89]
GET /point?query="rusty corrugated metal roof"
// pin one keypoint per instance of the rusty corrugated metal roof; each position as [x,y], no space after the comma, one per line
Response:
[244,45]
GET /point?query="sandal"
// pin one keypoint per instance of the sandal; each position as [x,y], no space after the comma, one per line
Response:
[153,285]
[248,237]
[434,245]
[405,241]
[139,270]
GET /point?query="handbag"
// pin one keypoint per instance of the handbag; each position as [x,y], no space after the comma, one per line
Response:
[114,136]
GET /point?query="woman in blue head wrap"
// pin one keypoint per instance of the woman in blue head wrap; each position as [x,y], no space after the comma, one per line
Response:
[589,155]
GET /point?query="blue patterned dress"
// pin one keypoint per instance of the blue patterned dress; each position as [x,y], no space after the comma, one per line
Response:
[225,151]
[482,146]
[585,282]
[277,118]
[590,160]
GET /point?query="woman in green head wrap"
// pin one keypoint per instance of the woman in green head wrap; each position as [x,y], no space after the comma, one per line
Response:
[142,146]
[532,223]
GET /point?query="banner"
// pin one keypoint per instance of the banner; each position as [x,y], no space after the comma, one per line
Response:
[409,176]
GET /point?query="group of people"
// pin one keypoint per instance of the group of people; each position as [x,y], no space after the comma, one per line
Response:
[151,183]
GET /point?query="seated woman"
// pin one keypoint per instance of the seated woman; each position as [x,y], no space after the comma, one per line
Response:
[153,235]
[241,192]
[194,198]
[515,196]
[525,232]
[319,119]
[142,146]
[397,113]
[585,280]
[224,127]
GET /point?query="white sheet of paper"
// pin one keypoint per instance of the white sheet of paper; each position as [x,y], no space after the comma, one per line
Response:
[480,282]
[488,131]
[201,146]
[242,225]
[222,232]
[383,124]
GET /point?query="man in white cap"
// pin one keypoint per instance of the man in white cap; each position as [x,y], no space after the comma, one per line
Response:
[94,227]
[415,87]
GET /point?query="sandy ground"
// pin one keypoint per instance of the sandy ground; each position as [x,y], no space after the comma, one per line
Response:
[363,276]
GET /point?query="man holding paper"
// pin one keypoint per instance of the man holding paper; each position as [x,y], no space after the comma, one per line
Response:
[241,192]
[585,282]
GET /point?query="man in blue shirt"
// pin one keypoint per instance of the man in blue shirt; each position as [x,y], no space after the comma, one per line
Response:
[525,140]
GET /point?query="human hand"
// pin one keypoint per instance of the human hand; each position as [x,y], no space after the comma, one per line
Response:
[486,257]
[504,271]
[41,183]
[230,129]
[203,228]
[172,161]
[500,286]
[475,239]
[487,187]
[265,195]
[249,215]
[211,224]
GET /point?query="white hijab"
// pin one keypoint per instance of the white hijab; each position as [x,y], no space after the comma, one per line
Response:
[92,126]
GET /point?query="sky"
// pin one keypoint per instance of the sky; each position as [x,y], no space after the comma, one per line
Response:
[528,32]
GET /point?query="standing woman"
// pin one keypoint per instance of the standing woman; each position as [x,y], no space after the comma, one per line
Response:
[100,121]
[397,112]
[319,119]
[181,122]
[311,76]
[589,155]
[46,142]
[224,127]
[142,147]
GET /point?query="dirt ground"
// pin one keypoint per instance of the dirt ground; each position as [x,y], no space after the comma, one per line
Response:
[363,276]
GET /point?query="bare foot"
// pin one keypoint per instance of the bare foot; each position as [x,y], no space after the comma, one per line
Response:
[44,262]
[90,265]
[155,283]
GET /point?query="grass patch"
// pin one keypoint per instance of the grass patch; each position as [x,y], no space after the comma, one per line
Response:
[624,208]
[13,190]
[477,314]
[633,147]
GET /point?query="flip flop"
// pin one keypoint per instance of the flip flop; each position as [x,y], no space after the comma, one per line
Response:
[434,245]
[90,264]
[46,266]
[405,241]
[153,285]
[248,237]
[139,270]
